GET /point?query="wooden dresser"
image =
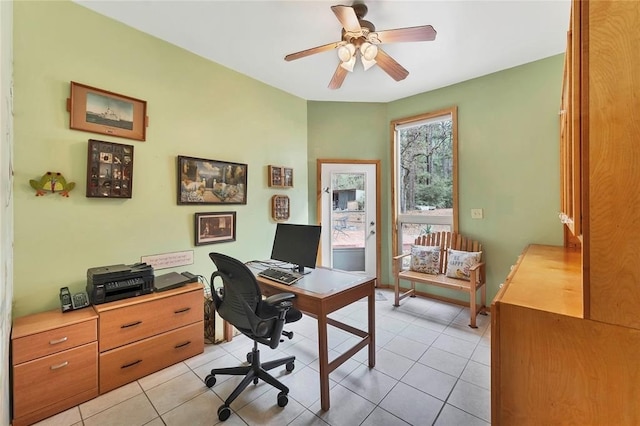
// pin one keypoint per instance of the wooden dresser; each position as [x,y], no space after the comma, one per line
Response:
[62,360]
[55,363]
[144,334]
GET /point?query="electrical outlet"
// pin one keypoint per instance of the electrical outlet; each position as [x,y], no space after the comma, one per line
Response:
[476,214]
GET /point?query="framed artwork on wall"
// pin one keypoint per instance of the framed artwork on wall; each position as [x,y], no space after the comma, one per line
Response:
[215,227]
[202,181]
[280,208]
[280,177]
[99,111]
[109,170]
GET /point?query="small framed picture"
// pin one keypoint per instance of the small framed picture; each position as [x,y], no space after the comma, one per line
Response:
[100,111]
[280,208]
[280,177]
[215,227]
[109,170]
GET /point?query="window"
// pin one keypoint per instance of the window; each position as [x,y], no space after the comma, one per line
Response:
[424,176]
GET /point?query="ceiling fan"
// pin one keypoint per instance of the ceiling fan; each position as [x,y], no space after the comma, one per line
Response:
[359,37]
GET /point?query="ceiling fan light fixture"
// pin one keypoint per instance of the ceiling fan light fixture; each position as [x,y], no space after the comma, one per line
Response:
[348,65]
[366,63]
[369,51]
[345,53]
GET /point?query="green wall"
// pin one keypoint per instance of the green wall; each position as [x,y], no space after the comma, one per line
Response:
[195,108]
[508,140]
[508,145]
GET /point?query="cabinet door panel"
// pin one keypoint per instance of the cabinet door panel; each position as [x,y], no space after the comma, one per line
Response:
[54,378]
[130,323]
[128,363]
[46,343]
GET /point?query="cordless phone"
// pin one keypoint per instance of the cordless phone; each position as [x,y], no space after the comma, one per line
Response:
[70,303]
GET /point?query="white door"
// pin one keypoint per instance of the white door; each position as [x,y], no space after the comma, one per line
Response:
[349,216]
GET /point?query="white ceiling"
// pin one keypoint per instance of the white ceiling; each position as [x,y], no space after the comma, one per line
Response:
[474,38]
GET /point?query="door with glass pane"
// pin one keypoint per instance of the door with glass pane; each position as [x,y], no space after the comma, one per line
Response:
[349,215]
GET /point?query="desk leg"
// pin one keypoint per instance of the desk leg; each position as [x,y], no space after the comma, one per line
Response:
[323,355]
[372,326]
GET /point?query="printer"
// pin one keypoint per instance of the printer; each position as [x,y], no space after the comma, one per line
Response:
[115,282]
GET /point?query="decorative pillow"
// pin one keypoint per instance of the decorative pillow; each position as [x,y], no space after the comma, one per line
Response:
[459,262]
[425,259]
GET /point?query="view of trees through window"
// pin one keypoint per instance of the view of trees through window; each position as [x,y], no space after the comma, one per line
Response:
[424,178]
[426,166]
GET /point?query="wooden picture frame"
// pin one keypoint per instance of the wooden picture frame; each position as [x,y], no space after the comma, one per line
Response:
[100,111]
[280,177]
[280,208]
[215,227]
[109,170]
[202,181]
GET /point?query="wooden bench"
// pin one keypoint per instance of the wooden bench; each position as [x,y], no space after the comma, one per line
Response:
[445,240]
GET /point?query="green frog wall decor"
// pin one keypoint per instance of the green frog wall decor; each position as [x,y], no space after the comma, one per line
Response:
[52,182]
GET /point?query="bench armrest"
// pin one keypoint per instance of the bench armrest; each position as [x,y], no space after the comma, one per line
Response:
[400,256]
[397,263]
[477,275]
[476,266]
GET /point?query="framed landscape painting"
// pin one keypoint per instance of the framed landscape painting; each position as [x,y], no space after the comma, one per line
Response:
[99,111]
[202,181]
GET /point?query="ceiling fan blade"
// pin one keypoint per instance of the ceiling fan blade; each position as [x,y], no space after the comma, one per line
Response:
[347,17]
[421,33]
[390,66]
[338,77]
[312,51]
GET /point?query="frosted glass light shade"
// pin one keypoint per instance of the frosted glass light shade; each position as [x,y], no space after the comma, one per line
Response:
[345,53]
[369,51]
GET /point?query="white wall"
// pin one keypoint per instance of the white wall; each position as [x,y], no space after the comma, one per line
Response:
[6,209]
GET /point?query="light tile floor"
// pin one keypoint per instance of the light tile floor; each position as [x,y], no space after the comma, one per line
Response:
[431,369]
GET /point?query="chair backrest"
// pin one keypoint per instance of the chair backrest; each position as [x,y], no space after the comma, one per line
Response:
[447,240]
[241,291]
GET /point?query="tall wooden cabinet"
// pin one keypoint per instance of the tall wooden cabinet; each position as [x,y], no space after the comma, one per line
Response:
[566,324]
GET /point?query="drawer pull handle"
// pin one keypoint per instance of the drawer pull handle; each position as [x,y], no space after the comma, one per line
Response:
[131,324]
[55,342]
[131,364]
[182,345]
[179,311]
[55,367]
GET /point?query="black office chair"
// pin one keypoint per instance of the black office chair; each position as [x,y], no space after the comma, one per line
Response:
[240,303]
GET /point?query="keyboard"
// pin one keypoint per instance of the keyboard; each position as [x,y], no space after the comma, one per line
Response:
[280,275]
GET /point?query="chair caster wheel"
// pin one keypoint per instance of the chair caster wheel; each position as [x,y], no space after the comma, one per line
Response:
[255,381]
[282,399]
[224,412]
[250,358]
[210,380]
[290,366]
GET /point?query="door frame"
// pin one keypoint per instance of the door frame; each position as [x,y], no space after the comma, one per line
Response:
[378,227]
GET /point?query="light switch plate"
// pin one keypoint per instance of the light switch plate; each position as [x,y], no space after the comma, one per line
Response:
[476,214]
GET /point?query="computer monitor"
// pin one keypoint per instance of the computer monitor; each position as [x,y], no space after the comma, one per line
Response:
[296,244]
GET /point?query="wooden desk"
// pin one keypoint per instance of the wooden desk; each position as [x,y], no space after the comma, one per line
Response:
[318,294]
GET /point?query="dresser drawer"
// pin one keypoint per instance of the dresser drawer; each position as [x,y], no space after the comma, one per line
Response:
[128,363]
[131,323]
[49,342]
[54,378]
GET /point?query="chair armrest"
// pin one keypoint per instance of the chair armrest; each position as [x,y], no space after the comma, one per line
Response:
[280,297]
